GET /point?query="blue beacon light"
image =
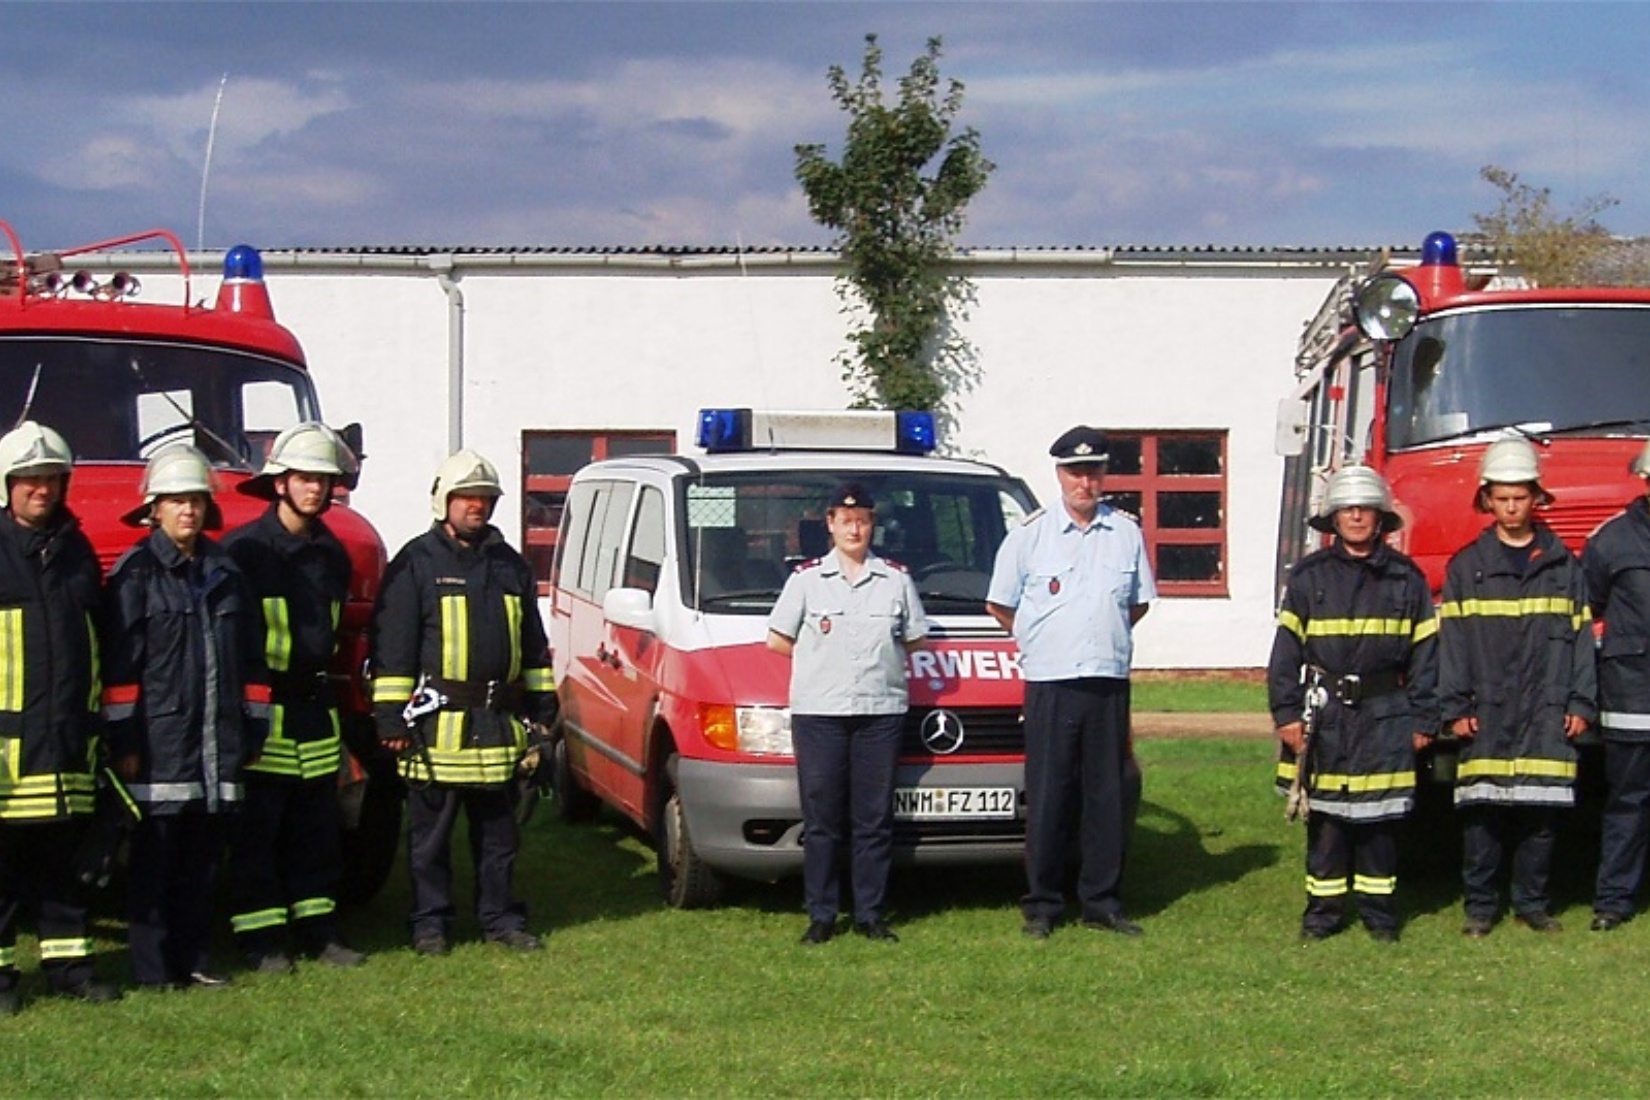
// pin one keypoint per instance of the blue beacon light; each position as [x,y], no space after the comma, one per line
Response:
[1438,250]
[243,262]
[914,433]
[719,429]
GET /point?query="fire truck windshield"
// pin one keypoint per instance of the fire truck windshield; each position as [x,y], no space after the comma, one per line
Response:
[748,531]
[122,400]
[1541,369]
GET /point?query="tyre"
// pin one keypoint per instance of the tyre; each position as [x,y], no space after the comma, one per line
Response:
[686,881]
[370,847]
[574,804]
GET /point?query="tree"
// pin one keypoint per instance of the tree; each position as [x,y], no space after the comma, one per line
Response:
[1549,249]
[895,228]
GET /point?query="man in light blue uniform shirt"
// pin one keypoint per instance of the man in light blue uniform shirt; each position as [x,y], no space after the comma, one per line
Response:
[1070,583]
[847,620]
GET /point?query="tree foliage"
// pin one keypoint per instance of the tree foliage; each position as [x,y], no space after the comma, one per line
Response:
[1550,248]
[896,200]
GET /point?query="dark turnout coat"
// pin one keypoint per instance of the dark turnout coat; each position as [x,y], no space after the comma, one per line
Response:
[1365,628]
[1616,563]
[1516,652]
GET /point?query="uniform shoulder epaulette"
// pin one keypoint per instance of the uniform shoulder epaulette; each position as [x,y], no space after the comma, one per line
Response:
[809,564]
[1124,512]
[1037,515]
[897,566]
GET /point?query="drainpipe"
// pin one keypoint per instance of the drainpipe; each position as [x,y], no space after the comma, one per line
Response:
[444,277]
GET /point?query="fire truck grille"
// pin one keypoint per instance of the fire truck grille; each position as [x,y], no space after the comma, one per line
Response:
[995,731]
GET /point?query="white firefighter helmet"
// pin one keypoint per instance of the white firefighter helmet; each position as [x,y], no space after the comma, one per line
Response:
[1641,464]
[1511,461]
[464,472]
[308,448]
[1356,487]
[34,450]
[178,470]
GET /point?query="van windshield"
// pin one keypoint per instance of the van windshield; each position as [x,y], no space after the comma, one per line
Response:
[122,400]
[746,532]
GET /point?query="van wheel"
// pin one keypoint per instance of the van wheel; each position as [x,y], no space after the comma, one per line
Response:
[574,804]
[687,882]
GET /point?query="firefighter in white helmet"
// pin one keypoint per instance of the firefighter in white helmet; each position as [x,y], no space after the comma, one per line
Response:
[287,859]
[460,667]
[1352,687]
[52,587]
[187,702]
[1616,562]
[1516,685]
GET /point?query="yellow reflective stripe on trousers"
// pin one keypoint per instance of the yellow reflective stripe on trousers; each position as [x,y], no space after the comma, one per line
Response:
[312,907]
[1510,769]
[512,623]
[77,947]
[277,634]
[1325,887]
[259,919]
[1369,884]
[11,659]
[455,638]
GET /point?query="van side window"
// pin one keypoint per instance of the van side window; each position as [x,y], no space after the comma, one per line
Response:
[575,524]
[590,556]
[647,543]
[603,566]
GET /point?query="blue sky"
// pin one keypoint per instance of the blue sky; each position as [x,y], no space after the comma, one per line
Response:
[567,124]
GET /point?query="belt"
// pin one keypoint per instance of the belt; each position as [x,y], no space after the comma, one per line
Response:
[1355,687]
[499,695]
[301,687]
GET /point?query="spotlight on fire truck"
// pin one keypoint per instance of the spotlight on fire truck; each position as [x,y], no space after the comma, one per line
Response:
[1386,306]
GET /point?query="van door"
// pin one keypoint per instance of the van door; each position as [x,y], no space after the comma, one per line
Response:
[633,655]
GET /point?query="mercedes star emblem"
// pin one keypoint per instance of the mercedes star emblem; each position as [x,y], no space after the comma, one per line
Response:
[942,732]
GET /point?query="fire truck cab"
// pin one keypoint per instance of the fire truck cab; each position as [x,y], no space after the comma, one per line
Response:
[673,709]
[119,380]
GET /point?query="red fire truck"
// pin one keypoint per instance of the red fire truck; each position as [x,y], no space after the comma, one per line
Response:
[121,379]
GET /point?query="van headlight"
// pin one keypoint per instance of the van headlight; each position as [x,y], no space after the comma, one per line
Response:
[757,731]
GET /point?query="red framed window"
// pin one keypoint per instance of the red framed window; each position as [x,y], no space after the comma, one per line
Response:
[1175,482]
[549,459]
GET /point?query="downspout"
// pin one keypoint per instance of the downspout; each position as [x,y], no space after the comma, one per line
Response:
[444,277]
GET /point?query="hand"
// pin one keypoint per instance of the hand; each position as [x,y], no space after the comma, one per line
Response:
[395,745]
[1574,726]
[127,766]
[1419,740]
[1293,736]
[1465,728]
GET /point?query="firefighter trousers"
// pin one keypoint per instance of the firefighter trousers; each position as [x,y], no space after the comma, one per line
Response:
[175,860]
[1486,833]
[285,865]
[37,874]
[1625,829]
[494,839]
[1346,857]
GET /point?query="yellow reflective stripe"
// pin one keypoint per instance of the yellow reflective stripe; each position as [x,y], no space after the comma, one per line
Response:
[76,948]
[393,689]
[512,623]
[449,730]
[455,637]
[8,956]
[1286,770]
[95,702]
[262,918]
[1325,887]
[277,634]
[1363,784]
[312,907]
[539,679]
[1369,884]
[281,755]
[1337,628]
[1291,622]
[11,659]
[463,766]
[11,761]
[1525,605]
[1524,766]
[337,614]
[1424,629]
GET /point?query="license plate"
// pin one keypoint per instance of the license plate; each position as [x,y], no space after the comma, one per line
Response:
[954,803]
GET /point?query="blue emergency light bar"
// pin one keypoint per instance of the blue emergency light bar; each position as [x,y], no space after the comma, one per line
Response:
[724,431]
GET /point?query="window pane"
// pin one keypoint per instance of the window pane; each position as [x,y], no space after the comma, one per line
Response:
[619,446]
[558,454]
[1125,502]
[1188,563]
[1125,455]
[1188,456]
[543,509]
[647,543]
[1182,510]
[611,546]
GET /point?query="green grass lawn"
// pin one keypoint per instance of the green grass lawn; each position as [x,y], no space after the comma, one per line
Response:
[1218,998]
[1199,696]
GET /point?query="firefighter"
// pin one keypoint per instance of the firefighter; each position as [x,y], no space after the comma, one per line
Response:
[460,666]
[1356,636]
[287,861]
[1616,563]
[1516,685]
[187,707]
[50,596]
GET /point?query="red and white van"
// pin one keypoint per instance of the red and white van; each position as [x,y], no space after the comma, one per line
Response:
[673,711]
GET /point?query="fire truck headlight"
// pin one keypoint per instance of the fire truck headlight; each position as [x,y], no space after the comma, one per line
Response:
[1386,307]
[759,731]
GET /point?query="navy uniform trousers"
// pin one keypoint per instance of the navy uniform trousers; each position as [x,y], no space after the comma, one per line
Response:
[845,773]
[432,811]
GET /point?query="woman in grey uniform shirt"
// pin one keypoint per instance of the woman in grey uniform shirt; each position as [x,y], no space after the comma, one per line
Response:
[847,621]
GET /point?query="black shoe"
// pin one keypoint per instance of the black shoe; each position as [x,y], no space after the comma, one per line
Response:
[10,1003]
[1113,922]
[518,940]
[1537,921]
[1384,935]
[91,991]
[1037,928]
[1606,922]
[819,931]
[876,930]
[432,945]
[338,954]
[269,962]
[1477,928]
[205,979]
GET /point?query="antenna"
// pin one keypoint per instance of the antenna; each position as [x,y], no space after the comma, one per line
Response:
[206,167]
